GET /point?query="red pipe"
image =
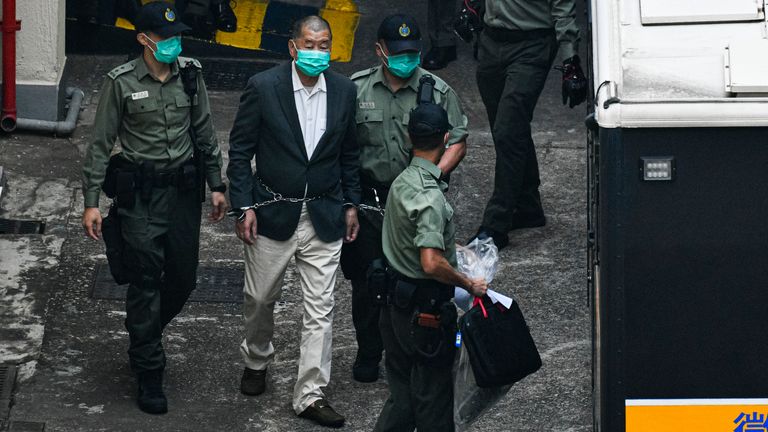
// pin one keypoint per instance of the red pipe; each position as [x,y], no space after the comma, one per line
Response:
[9,27]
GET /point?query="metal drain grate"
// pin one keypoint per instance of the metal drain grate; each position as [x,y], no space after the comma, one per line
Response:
[25,426]
[7,381]
[12,226]
[214,285]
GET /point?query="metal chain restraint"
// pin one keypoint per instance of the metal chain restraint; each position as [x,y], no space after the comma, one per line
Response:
[377,209]
[239,213]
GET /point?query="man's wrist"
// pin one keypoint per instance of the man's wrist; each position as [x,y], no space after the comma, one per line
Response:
[240,213]
[467,282]
[245,213]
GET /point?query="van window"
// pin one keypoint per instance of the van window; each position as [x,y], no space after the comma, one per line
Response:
[700,11]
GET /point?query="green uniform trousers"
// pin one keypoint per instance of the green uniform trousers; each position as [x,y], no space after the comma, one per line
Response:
[162,236]
[510,76]
[440,17]
[420,395]
[356,257]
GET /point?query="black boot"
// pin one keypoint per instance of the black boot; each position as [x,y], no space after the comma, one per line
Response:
[500,239]
[523,220]
[365,371]
[151,398]
[253,382]
[439,57]
[226,20]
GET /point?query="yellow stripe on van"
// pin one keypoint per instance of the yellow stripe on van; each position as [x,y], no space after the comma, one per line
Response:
[250,16]
[700,415]
[344,19]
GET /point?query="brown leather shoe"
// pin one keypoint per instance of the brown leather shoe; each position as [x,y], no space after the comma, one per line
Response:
[253,382]
[322,413]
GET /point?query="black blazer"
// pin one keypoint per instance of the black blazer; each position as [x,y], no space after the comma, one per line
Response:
[267,128]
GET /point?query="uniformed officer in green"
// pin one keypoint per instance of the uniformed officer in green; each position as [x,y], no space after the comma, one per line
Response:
[418,325]
[385,96]
[518,44]
[144,104]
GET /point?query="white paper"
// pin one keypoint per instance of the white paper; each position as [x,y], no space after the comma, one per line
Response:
[500,298]
[464,300]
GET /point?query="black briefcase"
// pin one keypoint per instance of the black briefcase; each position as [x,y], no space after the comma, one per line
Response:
[499,343]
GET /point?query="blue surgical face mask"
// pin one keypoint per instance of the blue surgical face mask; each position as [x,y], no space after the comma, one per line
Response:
[168,50]
[403,65]
[312,62]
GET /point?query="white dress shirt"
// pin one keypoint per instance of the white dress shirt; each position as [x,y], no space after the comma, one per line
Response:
[312,108]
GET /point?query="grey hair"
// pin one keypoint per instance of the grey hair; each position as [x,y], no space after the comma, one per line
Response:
[311,22]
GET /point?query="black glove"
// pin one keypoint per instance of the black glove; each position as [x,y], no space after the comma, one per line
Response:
[574,82]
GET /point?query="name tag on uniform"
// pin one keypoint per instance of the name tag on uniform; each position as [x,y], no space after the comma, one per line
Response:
[140,95]
[367,105]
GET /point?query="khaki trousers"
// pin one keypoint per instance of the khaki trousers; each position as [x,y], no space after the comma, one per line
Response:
[265,265]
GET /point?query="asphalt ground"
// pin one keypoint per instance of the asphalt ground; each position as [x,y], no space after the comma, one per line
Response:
[70,347]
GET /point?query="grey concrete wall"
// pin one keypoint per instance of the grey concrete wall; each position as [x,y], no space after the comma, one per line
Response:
[40,58]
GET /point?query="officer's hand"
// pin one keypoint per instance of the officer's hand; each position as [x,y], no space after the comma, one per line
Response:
[219,202]
[478,287]
[353,226]
[92,222]
[574,82]
[246,229]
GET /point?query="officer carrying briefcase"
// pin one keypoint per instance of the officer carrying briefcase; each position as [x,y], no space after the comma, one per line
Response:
[501,349]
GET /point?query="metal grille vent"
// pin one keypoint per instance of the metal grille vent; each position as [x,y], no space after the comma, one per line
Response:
[12,226]
[214,285]
[7,381]
[24,426]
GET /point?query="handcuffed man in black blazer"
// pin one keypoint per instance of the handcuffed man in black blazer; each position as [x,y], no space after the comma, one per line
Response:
[297,121]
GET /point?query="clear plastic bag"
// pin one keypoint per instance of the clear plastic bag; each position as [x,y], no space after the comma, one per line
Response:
[479,259]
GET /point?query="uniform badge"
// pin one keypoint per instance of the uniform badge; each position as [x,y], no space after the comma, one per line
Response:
[405,31]
[170,16]
[140,95]
[367,105]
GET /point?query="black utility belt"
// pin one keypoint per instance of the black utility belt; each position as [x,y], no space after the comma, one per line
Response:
[393,288]
[125,181]
[506,35]
[144,174]
[425,294]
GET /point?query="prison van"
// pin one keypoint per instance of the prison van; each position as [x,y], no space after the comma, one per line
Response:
[678,214]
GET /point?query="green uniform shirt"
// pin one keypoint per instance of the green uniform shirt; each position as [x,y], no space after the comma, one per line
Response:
[537,14]
[418,216]
[152,120]
[382,121]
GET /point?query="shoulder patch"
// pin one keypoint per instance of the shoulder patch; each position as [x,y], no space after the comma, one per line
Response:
[123,68]
[428,181]
[362,73]
[184,60]
[441,85]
